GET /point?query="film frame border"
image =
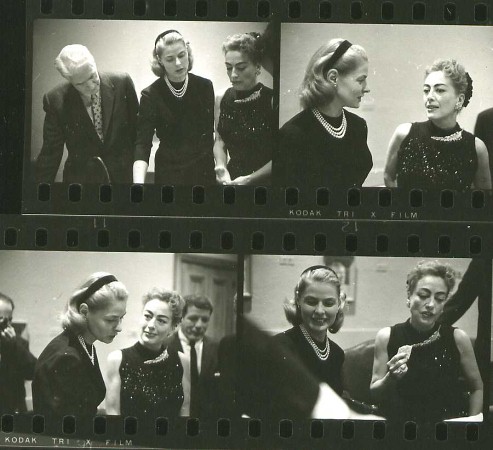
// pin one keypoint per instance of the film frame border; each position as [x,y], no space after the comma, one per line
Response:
[287,433]
[215,201]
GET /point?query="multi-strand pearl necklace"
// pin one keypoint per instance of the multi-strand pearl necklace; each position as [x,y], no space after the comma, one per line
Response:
[84,346]
[322,354]
[179,93]
[337,132]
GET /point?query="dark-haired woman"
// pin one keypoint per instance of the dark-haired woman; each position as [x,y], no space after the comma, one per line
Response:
[438,153]
[179,108]
[67,379]
[244,116]
[317,308]
[146,379]
[419,364]
[324,144]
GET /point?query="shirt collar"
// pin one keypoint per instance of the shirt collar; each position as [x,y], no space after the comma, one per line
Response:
[184,339]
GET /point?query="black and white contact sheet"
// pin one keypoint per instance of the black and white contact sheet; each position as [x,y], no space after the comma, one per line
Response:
[270,222]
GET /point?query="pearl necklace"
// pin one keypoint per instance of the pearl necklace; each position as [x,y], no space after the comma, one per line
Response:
[253,96]
[322,354]
[337,132]
[179,93]
[457,136]
[84,346]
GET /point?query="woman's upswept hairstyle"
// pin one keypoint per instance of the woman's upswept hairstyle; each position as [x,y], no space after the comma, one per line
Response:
[435,268]
[249,44]
[71,58]
[315,90]
[172,298]
[457,73]
[320,274]
[169,38]
[72,319]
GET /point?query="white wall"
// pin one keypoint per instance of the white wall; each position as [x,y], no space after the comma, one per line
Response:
[380,294]
[398,56]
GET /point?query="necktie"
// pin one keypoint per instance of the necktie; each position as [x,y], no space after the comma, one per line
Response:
[194,382]
[97,114]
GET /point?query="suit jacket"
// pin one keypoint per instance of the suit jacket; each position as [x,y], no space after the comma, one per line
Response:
[207,385]
[16,365]
[65,381]
[484,131]
[473,286]
[68,123]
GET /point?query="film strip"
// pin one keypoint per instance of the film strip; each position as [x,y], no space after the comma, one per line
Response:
[249,242]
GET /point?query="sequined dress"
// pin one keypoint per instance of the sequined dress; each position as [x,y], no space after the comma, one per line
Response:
[150,388]
[432,158]
[246,124]
[432,388]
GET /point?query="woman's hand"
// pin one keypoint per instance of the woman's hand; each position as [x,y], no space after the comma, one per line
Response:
[241,181]
[222,175]
[397,366]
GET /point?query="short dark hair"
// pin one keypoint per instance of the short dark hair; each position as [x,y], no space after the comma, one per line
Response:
[7,299]
[434,268]
[199,301]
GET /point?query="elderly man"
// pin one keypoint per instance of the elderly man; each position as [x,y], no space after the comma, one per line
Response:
[16,362]
[198,354]
[94,115]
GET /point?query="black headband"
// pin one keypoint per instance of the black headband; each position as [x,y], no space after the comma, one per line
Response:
[96,286]
[164,33]
[343,48]
[319,266]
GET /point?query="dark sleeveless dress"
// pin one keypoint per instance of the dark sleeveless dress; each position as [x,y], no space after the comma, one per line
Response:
[424,162]
[432,389]
[150,388]
[246,124]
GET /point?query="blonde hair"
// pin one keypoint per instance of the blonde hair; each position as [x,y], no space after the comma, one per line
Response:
[72,319]
[322,275]
[315,90]
[170,38]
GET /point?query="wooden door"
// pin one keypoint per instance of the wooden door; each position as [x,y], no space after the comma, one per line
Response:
[216,279]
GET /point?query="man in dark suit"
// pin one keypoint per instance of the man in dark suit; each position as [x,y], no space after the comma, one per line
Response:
[484,131]
[16,362]
[198,354]
[93,114]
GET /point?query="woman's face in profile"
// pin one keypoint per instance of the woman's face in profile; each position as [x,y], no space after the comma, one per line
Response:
[352,87]
[319,304]
[156,323]
[104,324]
[439,96]
[174,59]
[242,72]
[427,301]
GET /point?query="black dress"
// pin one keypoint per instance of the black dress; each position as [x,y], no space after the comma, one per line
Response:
[426,162]
[431,390]
[151,382]
[184,127]
[328,371]
[65,381]
[309,156]
[246,124]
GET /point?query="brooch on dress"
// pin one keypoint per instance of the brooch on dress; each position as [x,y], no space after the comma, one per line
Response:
[253,96]
[457,136]
[160,358]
